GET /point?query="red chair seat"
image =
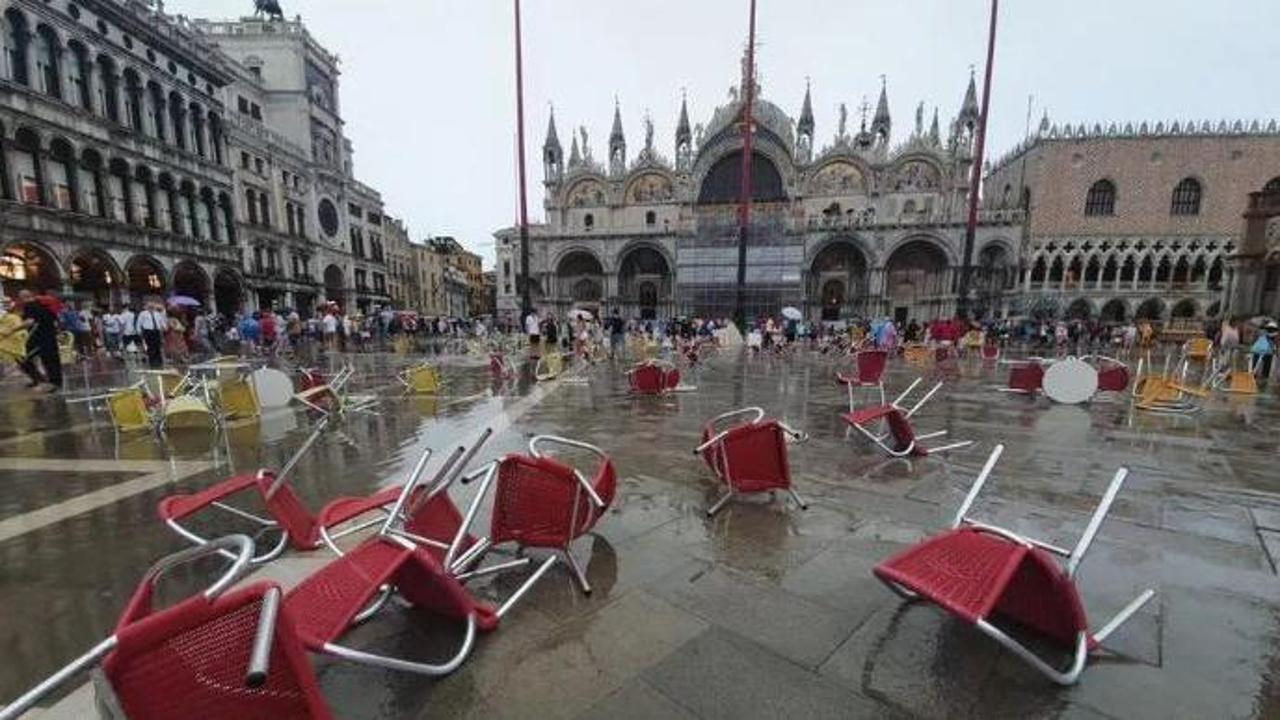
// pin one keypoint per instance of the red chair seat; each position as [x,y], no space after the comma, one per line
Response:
[974,575]
[868,414]
[324,604]
[177,507]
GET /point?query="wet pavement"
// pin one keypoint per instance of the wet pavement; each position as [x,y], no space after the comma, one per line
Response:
[765,610]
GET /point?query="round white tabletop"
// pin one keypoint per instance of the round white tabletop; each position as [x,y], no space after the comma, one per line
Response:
[1070,381]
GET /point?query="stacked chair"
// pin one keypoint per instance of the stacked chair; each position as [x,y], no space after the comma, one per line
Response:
[901,440]
[980,573]
[750,456]
[1162,393]
[328,395]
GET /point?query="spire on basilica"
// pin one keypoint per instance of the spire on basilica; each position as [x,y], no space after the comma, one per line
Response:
[935,136]
[806,113]
[552,152]
[969,108]
[880,123]
[684,138]
[617,144]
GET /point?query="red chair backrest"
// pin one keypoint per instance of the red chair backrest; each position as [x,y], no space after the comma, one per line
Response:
[497,364]
[190,660]
[871,364]
[1027,377]
[752,457]
[1114,379]
[287,509]
[539,502]
[648,379]
[990,352]
[438,519]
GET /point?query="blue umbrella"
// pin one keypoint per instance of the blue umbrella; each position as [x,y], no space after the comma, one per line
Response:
[183,301]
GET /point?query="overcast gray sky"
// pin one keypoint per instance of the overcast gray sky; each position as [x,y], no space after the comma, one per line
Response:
[428,85]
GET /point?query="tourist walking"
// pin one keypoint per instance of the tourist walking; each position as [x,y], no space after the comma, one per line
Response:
[152,325]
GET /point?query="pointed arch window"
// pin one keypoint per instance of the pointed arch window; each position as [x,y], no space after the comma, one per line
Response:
[1101,199]
[1186,198]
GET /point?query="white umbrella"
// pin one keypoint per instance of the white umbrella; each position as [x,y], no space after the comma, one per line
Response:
[792,313]
[577,313]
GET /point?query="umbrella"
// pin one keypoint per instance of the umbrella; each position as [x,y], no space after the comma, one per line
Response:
[792,313]
[183,301]
[577,313]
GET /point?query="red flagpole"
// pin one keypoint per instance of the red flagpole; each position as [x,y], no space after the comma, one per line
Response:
[975,179]
[526,303]
[744,203]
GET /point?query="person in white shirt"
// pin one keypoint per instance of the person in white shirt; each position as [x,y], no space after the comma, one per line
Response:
[330,327]
[111,332]
[533,328]
[129,329]
[152,324]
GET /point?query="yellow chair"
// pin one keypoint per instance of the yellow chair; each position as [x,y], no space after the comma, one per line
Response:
[67,348]
[187,413]
[1242,382]
[916,354]
[422,379]
[238,399]
[549,367]
[129,411]
[13,348]
[1199,349]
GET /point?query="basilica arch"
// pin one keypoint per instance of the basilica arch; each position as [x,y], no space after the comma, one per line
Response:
[836,286]
[722,184]
[645,282]
[917,280]
[96,277]
[29,266]
[145,276]
[228,292]
[579,280]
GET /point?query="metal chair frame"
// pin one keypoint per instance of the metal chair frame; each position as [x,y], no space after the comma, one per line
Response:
[1071,560]
[915,445]
[725,472]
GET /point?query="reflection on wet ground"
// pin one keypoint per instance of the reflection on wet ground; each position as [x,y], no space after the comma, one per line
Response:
[762,611]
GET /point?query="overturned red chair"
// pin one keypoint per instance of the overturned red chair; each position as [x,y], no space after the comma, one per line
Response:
[654,377]
[1025,376]
[540,502]
[978,572]
[234,654]
[868,372]
[903,440]
[749,457]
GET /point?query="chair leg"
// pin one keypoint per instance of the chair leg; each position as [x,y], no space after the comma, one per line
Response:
[1068,677]
[799,500]
[720,503]
[578,570]
[533,579]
